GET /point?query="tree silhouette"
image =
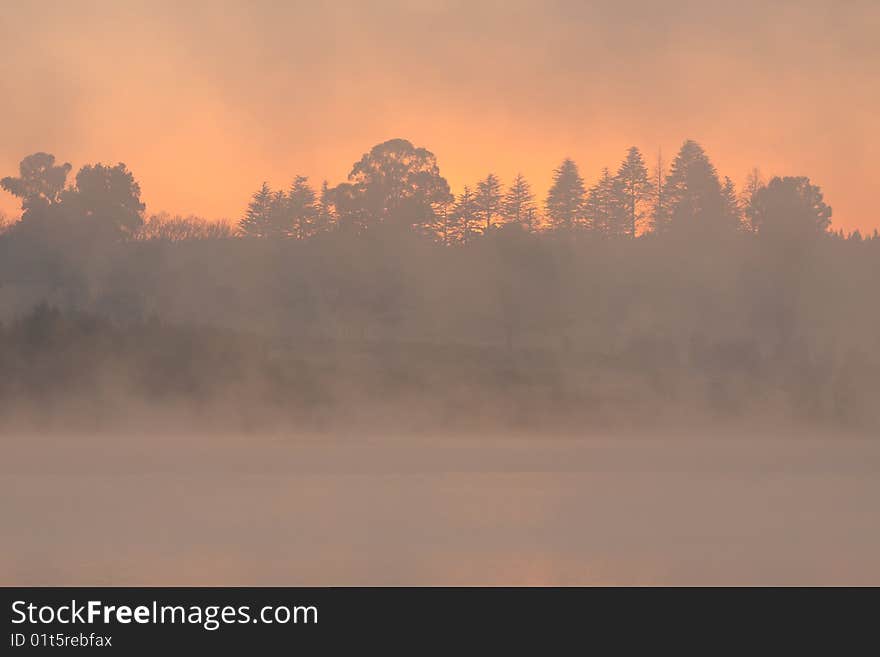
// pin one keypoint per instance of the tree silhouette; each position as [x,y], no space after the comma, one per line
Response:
[604,208]
[166,228]
[300,207]
[565,200]
[107,199]
[39,184]
[695,198]
[258,218]
[634,189]
[464,217]
[659,202]
[488,200]
[518,205]
[732,208]
[790,207]
[324,217]
[394,183]
[754,182]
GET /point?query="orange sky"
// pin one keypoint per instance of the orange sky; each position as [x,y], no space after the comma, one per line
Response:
[204,102]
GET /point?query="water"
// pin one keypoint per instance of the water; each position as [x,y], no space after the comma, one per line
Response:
[283,510]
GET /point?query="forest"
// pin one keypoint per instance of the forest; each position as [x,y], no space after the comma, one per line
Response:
[661,295]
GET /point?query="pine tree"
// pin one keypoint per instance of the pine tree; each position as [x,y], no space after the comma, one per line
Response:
[659,204]
[634,190]
[604,209]
[463,221]
[732,208]
[324,214]
[443,229]
[258,217]
[301,209]
[695,198]
[278,225]
[754,182]
[565,200]
[488,200]
[518,206]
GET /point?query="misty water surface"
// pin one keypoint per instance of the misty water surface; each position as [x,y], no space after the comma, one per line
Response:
[283,510]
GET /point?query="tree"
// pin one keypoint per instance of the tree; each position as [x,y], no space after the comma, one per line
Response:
[488,200]
[633,189]
[6,223]
[39,185]
[790,207]
[324,218]
[695,199]
[394,183]
[464,217]
[518,206]
[754,182]
[660,203]
[443,229]
[257,218]
[300,208]
[565,200]
[604,208]
[106,198]
[732,208]
[164,227]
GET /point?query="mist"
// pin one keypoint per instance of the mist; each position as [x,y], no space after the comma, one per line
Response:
[374,295]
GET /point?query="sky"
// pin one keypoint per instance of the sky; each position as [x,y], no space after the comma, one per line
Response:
[205,100]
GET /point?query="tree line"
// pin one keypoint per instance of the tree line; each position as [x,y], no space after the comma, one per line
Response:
[399,184]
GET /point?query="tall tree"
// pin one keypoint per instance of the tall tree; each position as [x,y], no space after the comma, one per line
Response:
[732,208]
[659,201]
[518,206]
[444,229]
[604,207]
[754,182]
[634,189]
[565,200]
[488,200]
[106,199]
[301,209]
[39,184]
[324,214]
[257,220]
[465,218]
[790,207]
[394,183]
[696,201]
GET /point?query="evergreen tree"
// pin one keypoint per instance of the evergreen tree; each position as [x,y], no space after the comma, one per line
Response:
[301,209]
[605,212]
[464,218]
[732,208]
[565,200]
[695,199]
[278,224]
[488,200]
[633,189]
[444,228]
[659,203]
[518,206]
[257,219]
[324,213]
